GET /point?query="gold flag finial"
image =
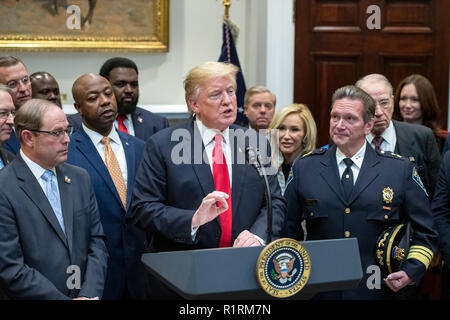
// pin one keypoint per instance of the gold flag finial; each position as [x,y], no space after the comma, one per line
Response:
[227,5]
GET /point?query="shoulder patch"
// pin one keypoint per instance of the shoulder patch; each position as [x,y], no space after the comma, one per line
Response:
[315,152]
[416,179]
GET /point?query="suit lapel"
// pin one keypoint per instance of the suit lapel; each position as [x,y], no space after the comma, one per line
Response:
[64,185]
[405,145]
[239,172]
[31,187]
[131,169]
[85,146]
[138,123]
[366,174]
[330,173]
[200,164]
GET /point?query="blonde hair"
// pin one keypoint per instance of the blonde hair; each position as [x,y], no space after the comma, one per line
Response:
[310,138]
[204,72]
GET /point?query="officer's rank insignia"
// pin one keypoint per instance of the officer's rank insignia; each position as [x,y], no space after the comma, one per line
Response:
[416,178]
[283,268]
[388,195]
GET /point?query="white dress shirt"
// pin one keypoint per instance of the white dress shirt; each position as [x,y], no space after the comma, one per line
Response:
[389,136]
[357,159]
[116,146]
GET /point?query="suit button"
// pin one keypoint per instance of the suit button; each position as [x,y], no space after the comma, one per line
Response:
[386,217]
[347,234]
[311,214]
[347,210]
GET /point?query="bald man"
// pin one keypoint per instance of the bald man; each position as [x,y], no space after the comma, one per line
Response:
[95,102]
[44,86]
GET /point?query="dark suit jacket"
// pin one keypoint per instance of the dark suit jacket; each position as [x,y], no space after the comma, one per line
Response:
[441,208]
[145,123]
[418,141]
[168,193]
[12,145]
[125,243]
[34,252]
[315,194]
[6,156]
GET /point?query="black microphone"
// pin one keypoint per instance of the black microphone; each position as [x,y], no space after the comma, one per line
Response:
[254,159]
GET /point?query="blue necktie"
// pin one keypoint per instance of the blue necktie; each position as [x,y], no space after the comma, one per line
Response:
[52,194]
[2,165]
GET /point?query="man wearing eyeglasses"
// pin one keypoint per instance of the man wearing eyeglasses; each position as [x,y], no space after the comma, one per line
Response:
[52,244]
[14,75]
[7,112]
[413,141]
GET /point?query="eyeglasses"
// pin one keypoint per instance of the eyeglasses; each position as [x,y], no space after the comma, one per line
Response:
[5,114]
[383,103]
[56,134]
[13,84]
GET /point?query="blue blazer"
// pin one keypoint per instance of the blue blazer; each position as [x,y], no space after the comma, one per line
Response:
[12,145]
[145,123]
[167,194]
[35,254]
[125,243]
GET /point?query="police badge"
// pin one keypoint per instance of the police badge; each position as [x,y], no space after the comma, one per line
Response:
[283,268]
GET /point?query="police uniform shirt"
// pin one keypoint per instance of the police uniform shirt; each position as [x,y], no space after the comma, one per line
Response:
[357,159]
[389,136]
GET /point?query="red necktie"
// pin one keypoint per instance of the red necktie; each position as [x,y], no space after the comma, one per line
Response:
[222,183]
[120,119]
[377,141]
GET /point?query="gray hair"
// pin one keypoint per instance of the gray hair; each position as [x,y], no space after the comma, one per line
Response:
[355,93]
[375,77]
[29,115]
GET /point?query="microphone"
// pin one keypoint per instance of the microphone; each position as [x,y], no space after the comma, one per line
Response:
[254,159]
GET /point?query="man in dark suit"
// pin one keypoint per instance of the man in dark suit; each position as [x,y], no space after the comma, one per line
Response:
[351,190]
[95,102]
[14,75]
[51,239]
[412,141]
[179,183]
[7,112]
[441,212]
[122,73]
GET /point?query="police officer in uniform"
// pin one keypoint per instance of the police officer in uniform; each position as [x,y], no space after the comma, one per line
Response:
[351,190]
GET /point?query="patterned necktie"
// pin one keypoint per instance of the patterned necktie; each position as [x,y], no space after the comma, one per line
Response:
[377,141]
[347,178]
[120,121]
[222,183]
[114,170]
[52,193]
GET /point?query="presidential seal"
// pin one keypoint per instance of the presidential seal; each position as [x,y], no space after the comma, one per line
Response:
[283,268]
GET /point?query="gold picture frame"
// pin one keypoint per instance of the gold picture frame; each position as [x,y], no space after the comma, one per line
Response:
[116,25]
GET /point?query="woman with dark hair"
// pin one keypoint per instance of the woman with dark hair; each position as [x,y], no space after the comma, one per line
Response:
[416,102]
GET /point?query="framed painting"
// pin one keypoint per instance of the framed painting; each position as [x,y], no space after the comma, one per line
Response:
[84,25]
